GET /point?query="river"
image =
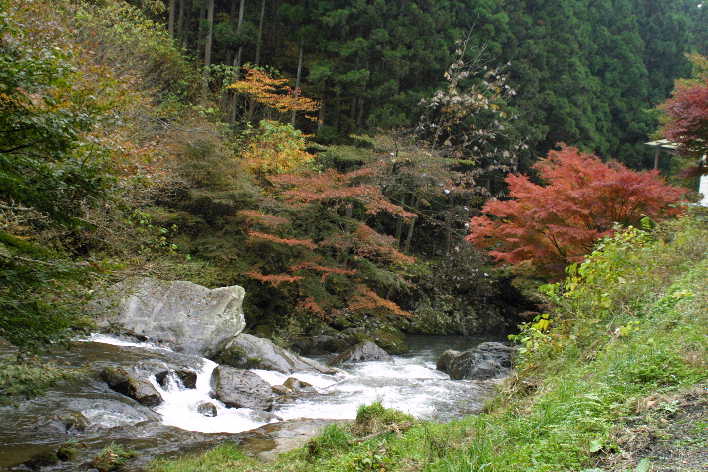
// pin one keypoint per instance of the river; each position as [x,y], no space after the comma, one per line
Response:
[409,383]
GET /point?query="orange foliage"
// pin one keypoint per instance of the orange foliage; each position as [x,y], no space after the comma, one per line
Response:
[255,216]
[557,224]
[366,299]
[273,279]
[310,305]
[370,244]
[273,93]
[318,268]
[335,187]
[256,235]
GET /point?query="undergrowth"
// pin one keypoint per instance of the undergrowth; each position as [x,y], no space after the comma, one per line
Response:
[627,325]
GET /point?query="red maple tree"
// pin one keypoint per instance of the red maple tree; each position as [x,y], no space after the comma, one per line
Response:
[551,226]
[686,112]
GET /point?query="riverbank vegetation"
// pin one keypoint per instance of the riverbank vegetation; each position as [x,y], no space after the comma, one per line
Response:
[601,386]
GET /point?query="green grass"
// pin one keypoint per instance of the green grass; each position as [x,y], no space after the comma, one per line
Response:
[609,348]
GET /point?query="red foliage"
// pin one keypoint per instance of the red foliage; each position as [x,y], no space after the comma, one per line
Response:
[255,216]
[256,235]
[372,245]
[273,279]
[687,117]
[318,268]
[367,300]
[553,225]
[310,305]
[338,188]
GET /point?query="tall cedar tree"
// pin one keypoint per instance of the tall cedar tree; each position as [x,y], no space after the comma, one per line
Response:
[551,226]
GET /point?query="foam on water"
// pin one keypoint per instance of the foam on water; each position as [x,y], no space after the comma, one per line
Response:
[409,384]
[108,339]
[179,406]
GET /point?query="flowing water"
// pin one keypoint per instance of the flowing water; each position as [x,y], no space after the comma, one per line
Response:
[409,383]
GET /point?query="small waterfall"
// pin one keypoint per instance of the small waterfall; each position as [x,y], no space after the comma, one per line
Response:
[407,383]
[180,406]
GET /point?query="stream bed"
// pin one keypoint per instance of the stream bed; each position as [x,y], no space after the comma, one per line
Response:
[87,414]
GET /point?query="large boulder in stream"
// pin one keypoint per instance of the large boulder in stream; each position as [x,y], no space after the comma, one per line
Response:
[366,351]
[250,352]
[187,317]
[487,361]
[123,382]
[238,388]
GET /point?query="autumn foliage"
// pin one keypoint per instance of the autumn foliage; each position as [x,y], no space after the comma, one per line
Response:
[273,93]
[549,226]
[686,112]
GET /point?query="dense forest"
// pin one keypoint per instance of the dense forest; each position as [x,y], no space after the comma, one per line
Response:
[585,73]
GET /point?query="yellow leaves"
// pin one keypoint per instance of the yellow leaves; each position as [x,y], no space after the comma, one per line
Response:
[276,148]
[543,323]
[273,93]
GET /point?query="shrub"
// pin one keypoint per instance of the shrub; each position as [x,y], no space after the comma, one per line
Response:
[555,225]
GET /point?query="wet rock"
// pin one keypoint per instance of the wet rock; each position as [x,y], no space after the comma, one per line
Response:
[238,388]
[207,409]
[250,352]
[446,359]
[188,378]
[281,390]
[487,361]
[268,441]
[123,382]
[41,460]
[366,351]
[73,422]
[187,317]
[323,344]
[298,386]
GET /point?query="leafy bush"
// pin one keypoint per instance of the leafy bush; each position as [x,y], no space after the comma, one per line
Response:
[608,292]
[275,148]
[551,226]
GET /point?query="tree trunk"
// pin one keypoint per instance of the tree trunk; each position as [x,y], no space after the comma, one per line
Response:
[260,33]
[411,227]
[360,118]
[399,223]
[171,21]
[210,33]
[200,30]
[321,116]
[409,238]
[207,47]
[237,59]
[299,75]
[180,18]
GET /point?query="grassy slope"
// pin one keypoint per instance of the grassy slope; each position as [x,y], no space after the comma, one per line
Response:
[626,351]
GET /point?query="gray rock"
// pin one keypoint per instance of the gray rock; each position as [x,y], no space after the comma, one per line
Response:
[298,386]
[366,351]
[250,352]
[238,388]
[446,359]
[207,409]
[188,378]
[187,317]
[281,390]
[123,382]
[487,361]
[322,344]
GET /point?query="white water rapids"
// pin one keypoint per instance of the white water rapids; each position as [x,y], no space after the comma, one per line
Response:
[410,384]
